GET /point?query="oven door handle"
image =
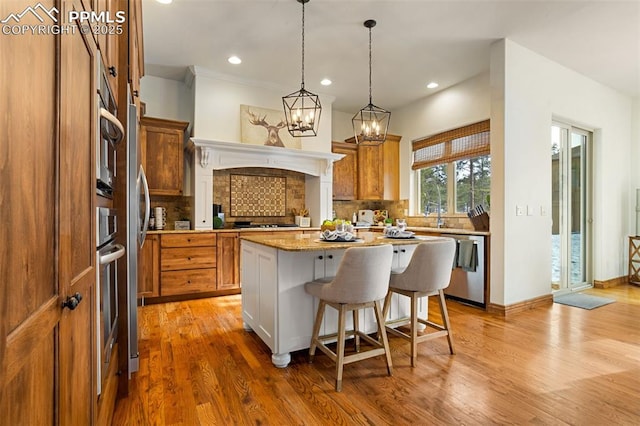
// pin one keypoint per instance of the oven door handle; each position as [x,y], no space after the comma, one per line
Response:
[113,120]
[116,253]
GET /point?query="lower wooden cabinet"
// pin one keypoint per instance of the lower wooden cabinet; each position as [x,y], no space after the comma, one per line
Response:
[179,264]
[228,252]
[187,263]
[188,281]
[149,267]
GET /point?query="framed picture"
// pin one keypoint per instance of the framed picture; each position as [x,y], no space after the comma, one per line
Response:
[261,126]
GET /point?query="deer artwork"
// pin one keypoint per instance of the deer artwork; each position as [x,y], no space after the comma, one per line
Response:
[273,138]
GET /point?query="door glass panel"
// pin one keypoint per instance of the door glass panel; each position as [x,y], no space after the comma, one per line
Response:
[557,134]
[569,231]
[577,216]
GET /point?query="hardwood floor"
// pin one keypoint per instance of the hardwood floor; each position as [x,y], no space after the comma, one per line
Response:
[554,365]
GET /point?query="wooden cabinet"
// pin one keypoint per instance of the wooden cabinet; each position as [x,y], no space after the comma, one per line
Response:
[634,260]
[187,263]
[345,171]
[228,260]
[136,51]
[149,268]
[47,351]
[161,144]
[376,168]
[108,39]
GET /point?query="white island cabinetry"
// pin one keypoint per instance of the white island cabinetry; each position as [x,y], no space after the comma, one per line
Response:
[275,305]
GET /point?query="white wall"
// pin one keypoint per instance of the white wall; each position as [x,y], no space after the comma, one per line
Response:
[342,126]
[465,103]
[528,91]
[166,98]
[217,108]
[634,159]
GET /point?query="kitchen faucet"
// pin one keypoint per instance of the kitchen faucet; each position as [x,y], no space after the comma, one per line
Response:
[439,220]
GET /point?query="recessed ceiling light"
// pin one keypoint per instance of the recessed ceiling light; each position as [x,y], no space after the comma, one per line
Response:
[164,1]
[234,60]
[432,85]
[326,82]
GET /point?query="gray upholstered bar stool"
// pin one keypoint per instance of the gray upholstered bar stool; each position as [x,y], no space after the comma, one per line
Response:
[362,281]
[428,274]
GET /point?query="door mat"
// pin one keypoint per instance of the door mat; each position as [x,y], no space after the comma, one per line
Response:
[584,301]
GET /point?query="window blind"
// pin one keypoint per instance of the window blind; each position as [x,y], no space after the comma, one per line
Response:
[452,145]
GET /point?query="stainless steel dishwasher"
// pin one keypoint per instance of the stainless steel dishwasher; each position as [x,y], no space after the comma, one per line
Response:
[469,286]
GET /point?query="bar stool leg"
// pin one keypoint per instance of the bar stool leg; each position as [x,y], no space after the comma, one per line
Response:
[445,318]
[414,329]
[356,328]
[316,330]
[383,332]
[340,348]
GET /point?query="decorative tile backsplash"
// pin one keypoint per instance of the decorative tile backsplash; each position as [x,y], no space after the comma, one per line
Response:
[295,193]
[258,196]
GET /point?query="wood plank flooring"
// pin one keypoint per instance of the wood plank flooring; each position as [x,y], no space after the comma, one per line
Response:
[549,366]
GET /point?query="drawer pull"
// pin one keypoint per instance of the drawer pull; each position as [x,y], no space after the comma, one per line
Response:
[395,251]
[330,256]
[403,251]
[320,257]
[189,258]
[188,281]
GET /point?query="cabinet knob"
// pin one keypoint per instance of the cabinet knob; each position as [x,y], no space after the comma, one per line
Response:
[395,251]
[403,251]
[320,257]
[188,240]
[113,71]
[188,281]
[72,302]
[136,93]
[330,256]
[189,258]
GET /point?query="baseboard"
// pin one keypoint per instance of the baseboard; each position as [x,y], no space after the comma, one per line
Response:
[611,283]
[525,305]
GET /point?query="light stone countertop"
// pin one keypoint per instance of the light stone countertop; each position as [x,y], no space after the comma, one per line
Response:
[312,242]
[443,231]
[240,230]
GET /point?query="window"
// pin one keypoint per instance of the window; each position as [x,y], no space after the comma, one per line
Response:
[473,181]
[453,170]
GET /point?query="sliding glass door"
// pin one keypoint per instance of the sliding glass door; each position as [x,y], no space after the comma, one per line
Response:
[570,180]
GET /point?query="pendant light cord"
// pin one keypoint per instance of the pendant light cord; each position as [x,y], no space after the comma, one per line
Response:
[303,45]
[370,98]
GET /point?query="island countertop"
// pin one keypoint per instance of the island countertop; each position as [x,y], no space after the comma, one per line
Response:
[312,242]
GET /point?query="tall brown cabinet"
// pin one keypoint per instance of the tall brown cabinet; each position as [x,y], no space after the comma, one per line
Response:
[48,245]
[48,131]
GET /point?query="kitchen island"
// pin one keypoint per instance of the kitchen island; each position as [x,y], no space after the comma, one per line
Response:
[273,271]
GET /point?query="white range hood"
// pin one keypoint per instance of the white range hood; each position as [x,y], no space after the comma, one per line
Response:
[209,155]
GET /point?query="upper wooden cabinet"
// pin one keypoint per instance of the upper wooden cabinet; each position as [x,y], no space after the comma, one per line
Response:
[136,51]
[345,171]
[377,169]
[161,145]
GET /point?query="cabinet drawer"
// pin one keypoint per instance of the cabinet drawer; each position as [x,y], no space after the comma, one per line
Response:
[188,240]
[188,258]
[189,281]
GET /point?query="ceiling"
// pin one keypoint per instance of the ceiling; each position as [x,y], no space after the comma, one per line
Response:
[414,42]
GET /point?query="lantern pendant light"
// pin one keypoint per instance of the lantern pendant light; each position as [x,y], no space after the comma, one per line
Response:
[302,108]
[370,124]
